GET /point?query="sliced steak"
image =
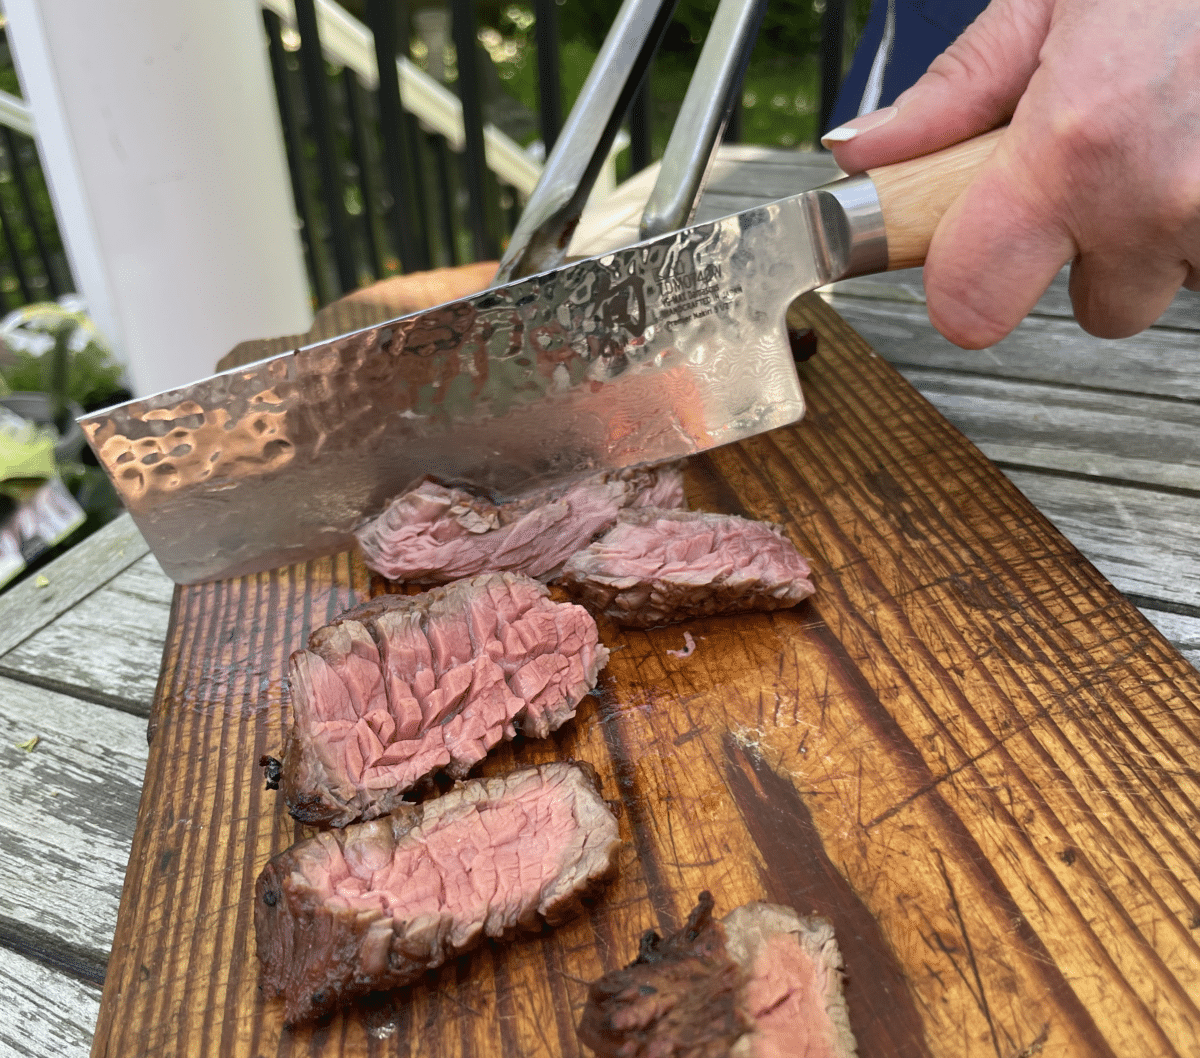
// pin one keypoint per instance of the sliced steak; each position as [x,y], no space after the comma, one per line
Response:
[403,687]
[658,566]
[434,534]
[761,983]
[793,990]
[679,997]
[377,904]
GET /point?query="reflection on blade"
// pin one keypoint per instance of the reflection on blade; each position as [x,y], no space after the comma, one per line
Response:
[650,353]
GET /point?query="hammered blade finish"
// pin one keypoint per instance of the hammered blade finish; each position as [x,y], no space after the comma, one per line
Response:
[650,353]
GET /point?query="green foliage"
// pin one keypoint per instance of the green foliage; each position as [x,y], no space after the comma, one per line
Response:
[780,91]
[30,337]
[92,379]
[18,236]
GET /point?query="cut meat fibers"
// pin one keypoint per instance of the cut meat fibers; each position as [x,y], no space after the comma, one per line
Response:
[377,904]
[658,566]
[403,687]
[434,534]
[762,983]
[793,990]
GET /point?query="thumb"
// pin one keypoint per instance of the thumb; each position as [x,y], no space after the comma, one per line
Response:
[996,249]
[971,87]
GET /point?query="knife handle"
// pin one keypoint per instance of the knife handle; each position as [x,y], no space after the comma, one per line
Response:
[914,194]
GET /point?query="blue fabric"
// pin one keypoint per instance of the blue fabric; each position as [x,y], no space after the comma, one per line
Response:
[924,29]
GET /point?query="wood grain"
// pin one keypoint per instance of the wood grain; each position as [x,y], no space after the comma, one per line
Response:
[914,194]
[60,883]
[44,1012]
[967,750]
[908,286]
[108,646]
[31,604]
[1140,441]
[1157,363]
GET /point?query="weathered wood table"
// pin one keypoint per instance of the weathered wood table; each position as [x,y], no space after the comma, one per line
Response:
[1035,889]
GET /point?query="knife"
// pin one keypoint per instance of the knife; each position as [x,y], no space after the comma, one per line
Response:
[650,353]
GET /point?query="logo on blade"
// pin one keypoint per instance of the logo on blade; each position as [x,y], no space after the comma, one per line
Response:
[690,296]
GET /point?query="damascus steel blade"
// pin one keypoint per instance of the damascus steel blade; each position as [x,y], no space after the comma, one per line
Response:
[651,353]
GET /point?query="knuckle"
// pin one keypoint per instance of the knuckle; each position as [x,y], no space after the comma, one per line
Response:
[964,312]
[969,62]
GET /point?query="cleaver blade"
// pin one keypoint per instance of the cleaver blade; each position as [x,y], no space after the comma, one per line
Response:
[642,355]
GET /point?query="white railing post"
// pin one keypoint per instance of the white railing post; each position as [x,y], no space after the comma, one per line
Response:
[160,140]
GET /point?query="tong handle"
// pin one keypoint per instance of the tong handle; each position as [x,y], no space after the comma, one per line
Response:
[549,218]
[710,99]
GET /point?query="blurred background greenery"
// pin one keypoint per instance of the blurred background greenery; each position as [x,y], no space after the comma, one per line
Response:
[780,92]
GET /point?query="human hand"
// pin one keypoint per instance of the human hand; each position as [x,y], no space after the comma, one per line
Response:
[1100,164]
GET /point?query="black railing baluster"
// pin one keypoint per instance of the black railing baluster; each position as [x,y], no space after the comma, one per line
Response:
[15,256]
[463,34]
[545,29]
[312,65]
[418,151]
[833,30]
[640,145]
[12,149]
[512,208]
[407,216]
[5,304]
[314,248]
[445,196]
[364,156]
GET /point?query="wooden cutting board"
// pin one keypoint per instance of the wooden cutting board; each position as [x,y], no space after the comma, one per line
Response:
[968,751]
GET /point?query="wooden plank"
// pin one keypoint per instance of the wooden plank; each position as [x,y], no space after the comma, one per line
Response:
[734,181]
[67,811]
[741,176]
[107,647]
[45,1013]
[967,750]
[1093,433]
[1123,472]
[1146,543]
[1156,362]
[908,285]
[36,601]
[1182,630]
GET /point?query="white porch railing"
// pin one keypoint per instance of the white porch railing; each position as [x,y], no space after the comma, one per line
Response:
[15,113]
[348,42]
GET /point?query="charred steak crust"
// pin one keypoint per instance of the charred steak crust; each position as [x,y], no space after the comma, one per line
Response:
[764,982]
[679,997]
[376,905]
[402,687]
[658,566]
[433,533]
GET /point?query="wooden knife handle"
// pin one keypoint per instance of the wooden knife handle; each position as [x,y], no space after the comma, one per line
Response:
[914,194]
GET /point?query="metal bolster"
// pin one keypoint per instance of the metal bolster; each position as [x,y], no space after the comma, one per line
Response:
[856,213]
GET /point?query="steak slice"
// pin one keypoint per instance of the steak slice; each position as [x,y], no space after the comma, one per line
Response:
[679,997]
[402,687]
[761,983]
[658,566]
[376,905]
[433,534]
[793,990]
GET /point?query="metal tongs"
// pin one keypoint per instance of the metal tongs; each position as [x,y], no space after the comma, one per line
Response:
[548,221]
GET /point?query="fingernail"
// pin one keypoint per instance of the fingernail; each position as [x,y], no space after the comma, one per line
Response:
[858,125]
